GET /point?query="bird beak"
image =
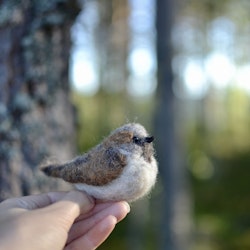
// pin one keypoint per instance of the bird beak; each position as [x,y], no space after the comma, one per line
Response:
[149,139]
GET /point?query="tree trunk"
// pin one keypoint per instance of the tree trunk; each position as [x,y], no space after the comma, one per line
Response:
[174,203]
[36,116]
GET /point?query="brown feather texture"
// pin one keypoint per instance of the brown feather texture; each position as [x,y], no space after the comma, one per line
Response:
[121,167]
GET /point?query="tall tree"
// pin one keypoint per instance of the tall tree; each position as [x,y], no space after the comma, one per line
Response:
[174,205]
[36,117]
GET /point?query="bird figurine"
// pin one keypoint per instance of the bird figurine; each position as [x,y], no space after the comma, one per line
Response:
[121,167]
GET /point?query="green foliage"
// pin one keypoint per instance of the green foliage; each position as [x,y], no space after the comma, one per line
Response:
[219,161]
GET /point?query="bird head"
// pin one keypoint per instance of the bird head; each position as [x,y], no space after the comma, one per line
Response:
[132,138]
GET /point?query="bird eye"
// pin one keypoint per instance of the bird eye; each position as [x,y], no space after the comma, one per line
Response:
[136,140]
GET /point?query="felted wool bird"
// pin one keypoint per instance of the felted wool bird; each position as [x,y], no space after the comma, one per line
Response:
[121,167]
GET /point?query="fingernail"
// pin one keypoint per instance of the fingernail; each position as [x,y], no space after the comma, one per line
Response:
[127,206]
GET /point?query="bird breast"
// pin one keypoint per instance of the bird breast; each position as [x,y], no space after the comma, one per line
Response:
[136,180]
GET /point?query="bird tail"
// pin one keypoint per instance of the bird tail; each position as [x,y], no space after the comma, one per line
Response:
[67,171]
[52,168]
[71,171]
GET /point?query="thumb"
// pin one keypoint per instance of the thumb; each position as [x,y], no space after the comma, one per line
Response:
[73,203]
[37,201]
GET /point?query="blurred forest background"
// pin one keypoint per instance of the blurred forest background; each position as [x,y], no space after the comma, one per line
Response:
[72,71]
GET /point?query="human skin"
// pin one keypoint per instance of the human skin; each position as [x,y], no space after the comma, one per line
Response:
[57,220]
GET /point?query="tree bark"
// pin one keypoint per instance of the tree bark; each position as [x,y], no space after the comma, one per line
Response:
[36,116]
[174,202]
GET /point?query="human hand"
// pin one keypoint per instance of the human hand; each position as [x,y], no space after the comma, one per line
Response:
[57,220]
